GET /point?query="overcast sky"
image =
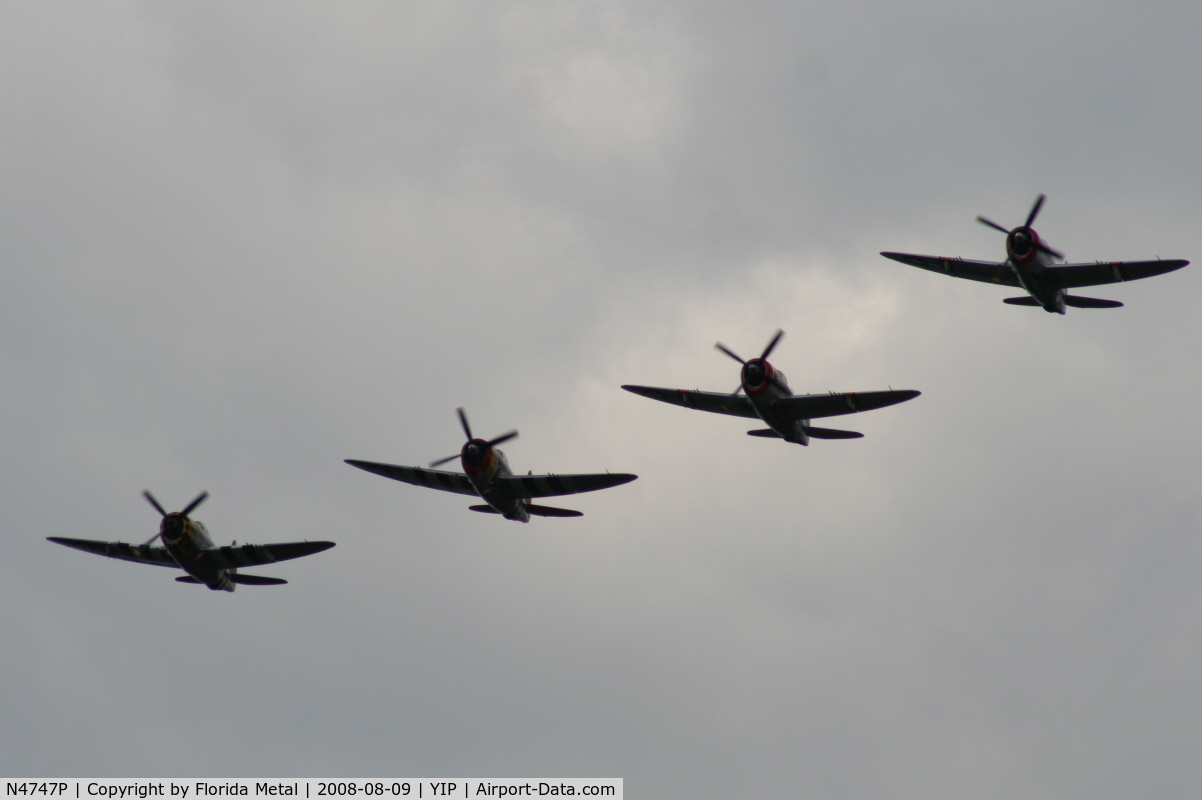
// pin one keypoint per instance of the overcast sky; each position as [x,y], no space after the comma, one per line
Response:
[241,243]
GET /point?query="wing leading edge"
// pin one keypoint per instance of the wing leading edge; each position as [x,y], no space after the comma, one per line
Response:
[520,485]
[816,406]
[984,271]
[556,485]
[250,555]
[735,405]
[1071,276]
[800,406]
[431,478]
[246,555]
[157,556]
[1060,276]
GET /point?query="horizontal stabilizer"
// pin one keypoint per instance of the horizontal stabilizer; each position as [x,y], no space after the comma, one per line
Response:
[187,579]
[484,509]
[832,433]
[256,580]
[547,511]
[1090,302]
[765,433]
[1023,301]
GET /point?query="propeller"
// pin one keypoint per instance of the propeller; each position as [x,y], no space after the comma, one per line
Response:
[730,353]
[467,429]
[772,343]
[154,503]
[1035,210]
[443,460]
[505,437]
[200,498]
[1050,251]
[993,225]
[1026,225]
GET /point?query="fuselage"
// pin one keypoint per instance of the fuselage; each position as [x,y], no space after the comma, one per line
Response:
[765,386]
[484,464]
[1030,264]
[186,540]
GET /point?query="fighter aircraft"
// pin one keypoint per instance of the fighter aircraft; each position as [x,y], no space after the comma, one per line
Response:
[486,474]
[769,398]
[188,547]
[1031,264]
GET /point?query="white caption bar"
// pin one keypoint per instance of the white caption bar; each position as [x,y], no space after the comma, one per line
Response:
[385,789]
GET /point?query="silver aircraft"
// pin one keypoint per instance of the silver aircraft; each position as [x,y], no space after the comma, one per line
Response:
[486,474]
[768,397]
[1031,264]
[187,546]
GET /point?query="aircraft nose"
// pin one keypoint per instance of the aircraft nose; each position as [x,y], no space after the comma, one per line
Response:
[172,528]
[1020,241]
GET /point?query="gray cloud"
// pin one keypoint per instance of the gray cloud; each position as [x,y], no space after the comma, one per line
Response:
[240,245]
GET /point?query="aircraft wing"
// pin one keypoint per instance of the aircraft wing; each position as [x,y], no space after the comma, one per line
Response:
[815,406]
[433,478]
[1068,276]
[250,555]
[734,404]
[555,485]
[986,271]
[126,552]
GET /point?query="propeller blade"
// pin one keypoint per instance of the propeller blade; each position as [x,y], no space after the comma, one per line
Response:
[1050,251]
[772,344]
[1035,210]
[993,225]
[723,348]
[200,498]
[150,498]
[152,538]
[738,389]
[463,420]
[443,460]
[505,437]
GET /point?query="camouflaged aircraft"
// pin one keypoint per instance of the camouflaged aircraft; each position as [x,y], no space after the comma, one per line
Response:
[768,397]
[188,547]
[1031,264]
[486,474]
